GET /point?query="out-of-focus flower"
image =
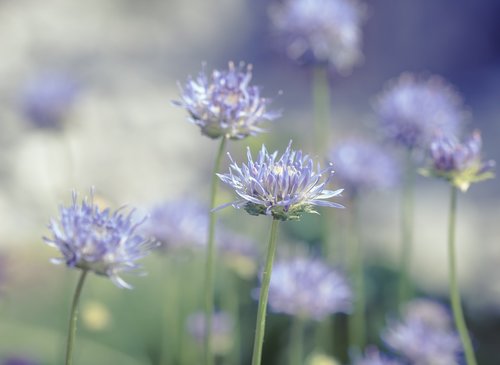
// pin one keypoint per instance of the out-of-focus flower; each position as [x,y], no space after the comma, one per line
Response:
[226,105]
[374,357]
[46,99]
[222,330]
[413,110]
[320,31]
[308,288]
[239,253]
[459,163]
[18,360]
[363,165]
[425,336]
[283,188]
[321,359]
[97,240]
[96,316]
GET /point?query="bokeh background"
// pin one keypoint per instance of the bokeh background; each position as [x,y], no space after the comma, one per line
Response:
[122,59]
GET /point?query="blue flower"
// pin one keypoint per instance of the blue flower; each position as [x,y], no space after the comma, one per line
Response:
[283,188]
[459,163]
[97,240]
[362,165]
[413,110]
[374,357]
[320,31]
[226,105]
[308,288]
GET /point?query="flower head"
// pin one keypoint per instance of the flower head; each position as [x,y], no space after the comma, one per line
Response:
[362,165]
[222,330]
[459,163]
[374,357]
[47,99]
[283,188]
[226,105]
[425,336]
[97,240]
[320,31]
[308,288]
[413,110]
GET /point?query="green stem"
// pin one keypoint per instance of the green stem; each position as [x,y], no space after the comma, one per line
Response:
[264,293]
[210,261]
[321,101]
[73,318]
[456,306]
[297,342]
[357,331]
[407,208]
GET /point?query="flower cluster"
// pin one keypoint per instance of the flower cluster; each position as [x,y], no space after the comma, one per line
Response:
[361,165]
[226,105]
[97,240]
[320,31]
[413,110]
[459,163]
[222,330]
[308,288]
[424,336]
[283,188]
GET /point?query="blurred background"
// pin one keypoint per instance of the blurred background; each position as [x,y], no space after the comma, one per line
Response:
[111,69]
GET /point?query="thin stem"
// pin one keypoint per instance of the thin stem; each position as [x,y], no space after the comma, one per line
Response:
[73,318]
[456,306]
[321,101]
[264,293]
[407,208]
[297,342]
[210,261]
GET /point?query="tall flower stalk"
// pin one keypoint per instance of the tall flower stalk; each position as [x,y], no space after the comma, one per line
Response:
[70,340]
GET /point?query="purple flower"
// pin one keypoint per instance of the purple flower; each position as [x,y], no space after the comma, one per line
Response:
[226,105]
[47,99]
[283,188]
[425,336]
[320,31]
[413,110]
[222,330]
[308,288]
[374,357]
[97,240]
[459,163]
[362,165]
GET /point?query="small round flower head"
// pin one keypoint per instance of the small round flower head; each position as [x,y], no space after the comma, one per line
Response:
[374,357]
[222,330]
[320,31]
[362,165]
[283,188]
[97,240]
[178,224]
[308,288]
[226,105]
[425,336]
[46,100]
[459,163]
[412,110]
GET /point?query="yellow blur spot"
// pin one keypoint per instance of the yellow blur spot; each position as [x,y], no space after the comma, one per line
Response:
[321,359]
[95,316]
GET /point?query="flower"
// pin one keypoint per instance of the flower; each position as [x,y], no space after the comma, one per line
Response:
[226,105]
[425,336]
[362,165]
[97,240]
[222,330]
[413,110]
[46,99]
[283,188]
[459,163]
[308,288]
[374,357]
[320,31]
[238,252]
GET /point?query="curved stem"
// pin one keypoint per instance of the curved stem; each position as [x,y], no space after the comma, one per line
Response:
[209,264]
[456,306]
[264,293]
[297,342]
[73,318]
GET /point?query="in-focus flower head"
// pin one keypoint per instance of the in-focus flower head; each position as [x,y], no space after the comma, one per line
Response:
[374,357]
[412,110]
[225,104]
[363,165]
[46,99]
[283,188]
[222,330]
[308,288]
[425,336]
[320,31]
[459,163]
[98,240]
